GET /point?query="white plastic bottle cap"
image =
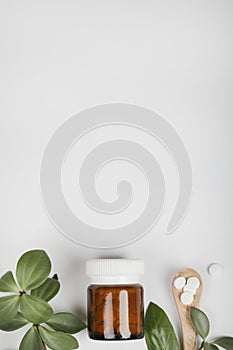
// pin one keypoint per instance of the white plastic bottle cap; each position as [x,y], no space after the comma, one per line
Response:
[115,271]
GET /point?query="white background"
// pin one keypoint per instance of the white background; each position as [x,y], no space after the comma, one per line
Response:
[175,57]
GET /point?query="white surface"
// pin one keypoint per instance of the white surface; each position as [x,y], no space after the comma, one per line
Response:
[175,57]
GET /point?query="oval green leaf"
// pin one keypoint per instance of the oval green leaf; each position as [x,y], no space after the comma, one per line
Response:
[224,342]
[18,322]
[58,340]
[8,284]
[47,290]
[8,308]
[209,346]
[31,340]
[35,310]
[200,322]
[66,322]
[159,331]
[32,269]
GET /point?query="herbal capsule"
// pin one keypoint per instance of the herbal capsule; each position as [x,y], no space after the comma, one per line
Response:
[115,299]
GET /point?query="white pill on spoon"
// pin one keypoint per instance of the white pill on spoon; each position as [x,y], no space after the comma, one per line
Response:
[179,282]
[186,298]
[193,282]
[189,290]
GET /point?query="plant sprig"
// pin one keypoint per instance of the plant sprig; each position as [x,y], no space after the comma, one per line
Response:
[201,324]
[160,334]
[28,303]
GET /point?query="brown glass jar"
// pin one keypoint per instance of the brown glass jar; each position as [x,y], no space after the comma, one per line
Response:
[115,299]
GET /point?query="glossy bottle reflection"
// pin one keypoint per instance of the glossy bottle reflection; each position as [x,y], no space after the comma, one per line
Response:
[115,312]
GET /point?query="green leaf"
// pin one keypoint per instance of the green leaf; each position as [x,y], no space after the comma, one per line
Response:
[66,322]
[8,284]
[18,322]
[224,342]
[32,269]
[58,340]
[31,340]
[200,322]
[35,310]
[209,346]
[47,290]
[159,331]
[8,308]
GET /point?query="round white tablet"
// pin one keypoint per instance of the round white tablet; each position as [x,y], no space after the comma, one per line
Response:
[215,270]
[193,282]
[190,290]
[186,298]
[179,282]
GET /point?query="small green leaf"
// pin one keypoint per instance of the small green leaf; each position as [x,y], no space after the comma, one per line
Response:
[18,322]
[31,340]
[209,346]
[159,331]
[58,340]
[224,342]
[47,290]
[35,310]
[8,308]
[66,322]
[8,284]
[32,269]
[200,322]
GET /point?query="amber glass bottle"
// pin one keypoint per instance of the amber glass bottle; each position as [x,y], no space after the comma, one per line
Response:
[115,299]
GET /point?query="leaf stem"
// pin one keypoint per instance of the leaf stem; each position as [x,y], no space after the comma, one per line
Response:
[202,345]
[43,343]
[22,292]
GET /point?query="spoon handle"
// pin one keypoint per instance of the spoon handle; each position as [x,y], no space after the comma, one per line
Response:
[187,289]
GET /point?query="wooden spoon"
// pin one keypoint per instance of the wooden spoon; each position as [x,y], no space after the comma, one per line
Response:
[188,331]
